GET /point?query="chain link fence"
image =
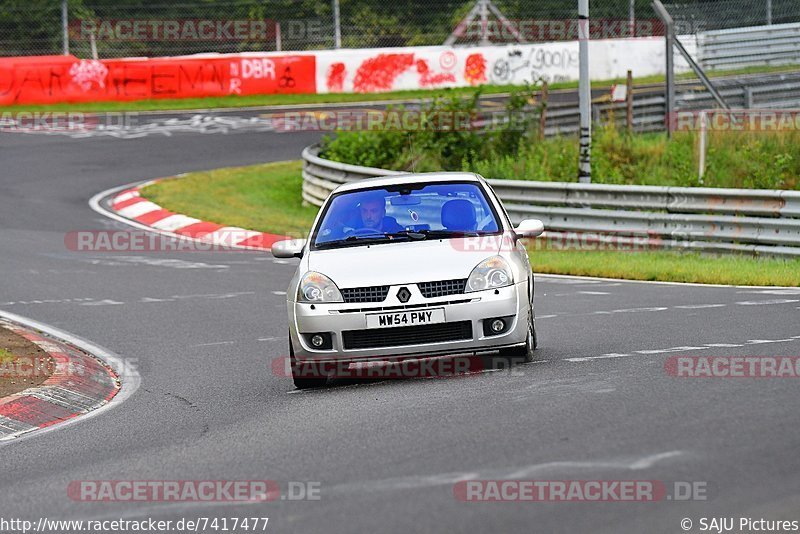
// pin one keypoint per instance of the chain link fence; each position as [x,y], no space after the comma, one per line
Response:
[706,15]
[133,28]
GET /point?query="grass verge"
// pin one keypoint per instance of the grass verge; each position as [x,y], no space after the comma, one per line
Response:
[22,364]
[258,197]
[237,101]
[267,198]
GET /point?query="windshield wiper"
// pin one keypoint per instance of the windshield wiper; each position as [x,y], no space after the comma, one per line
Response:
[377,237]
[411,234]
[436,234]
[385,237]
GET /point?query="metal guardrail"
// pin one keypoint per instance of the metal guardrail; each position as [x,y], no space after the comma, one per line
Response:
[771,91]
[756,221]
[777,44]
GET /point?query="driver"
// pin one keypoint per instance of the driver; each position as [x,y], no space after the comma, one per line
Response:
[372,211]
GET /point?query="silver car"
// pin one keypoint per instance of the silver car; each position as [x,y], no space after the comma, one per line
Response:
[409,266]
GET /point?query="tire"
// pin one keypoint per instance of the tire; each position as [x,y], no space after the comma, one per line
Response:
[526,351]
[301,380]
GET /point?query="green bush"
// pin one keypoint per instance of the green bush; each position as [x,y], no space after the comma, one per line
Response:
[733,158]
[436,144]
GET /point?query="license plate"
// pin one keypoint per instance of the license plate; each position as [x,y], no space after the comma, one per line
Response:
[406,318]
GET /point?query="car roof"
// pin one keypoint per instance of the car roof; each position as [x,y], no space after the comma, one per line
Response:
[408,178]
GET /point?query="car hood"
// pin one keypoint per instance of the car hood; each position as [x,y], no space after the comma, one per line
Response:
[404,262]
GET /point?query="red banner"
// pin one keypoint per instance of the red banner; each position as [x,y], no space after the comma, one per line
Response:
[51,79]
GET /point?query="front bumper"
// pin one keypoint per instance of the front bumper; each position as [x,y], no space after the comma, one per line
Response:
[335,318]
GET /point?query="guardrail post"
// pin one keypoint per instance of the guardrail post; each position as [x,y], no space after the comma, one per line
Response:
[748,97]
[629,102]
[701,165]
[543,111]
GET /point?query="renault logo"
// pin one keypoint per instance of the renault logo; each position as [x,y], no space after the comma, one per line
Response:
[403,294]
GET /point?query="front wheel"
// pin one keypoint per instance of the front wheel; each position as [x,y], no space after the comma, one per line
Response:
[305,377]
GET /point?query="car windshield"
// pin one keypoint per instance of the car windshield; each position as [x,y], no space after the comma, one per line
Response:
[439,210]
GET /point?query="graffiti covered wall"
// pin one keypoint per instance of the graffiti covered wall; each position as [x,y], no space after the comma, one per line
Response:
[51,79]
[389,69]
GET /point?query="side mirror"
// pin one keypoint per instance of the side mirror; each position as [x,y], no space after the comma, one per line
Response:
[290,248]
[529,228]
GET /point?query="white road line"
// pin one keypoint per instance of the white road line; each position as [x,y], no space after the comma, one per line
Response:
[603,357]
[705,346]
[634,310]
[763,341]
[214,296]
[671,349]
[792,291]
[106,302]
[171,262]
[630,310]
[699,306]
[558,468]
[766,302]
[589,279]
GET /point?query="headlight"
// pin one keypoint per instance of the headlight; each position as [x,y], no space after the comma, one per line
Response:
[316,287]
[490,273]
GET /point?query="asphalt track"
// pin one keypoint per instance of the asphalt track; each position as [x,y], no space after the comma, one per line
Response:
[202,328]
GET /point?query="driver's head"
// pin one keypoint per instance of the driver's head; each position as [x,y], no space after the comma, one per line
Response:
[373,210]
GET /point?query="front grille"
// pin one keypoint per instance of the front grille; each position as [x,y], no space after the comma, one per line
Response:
[406,335]
[441,288]
[365,294]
